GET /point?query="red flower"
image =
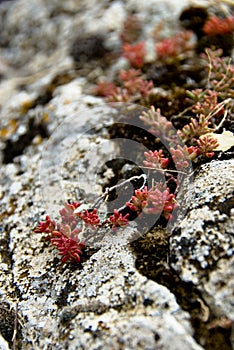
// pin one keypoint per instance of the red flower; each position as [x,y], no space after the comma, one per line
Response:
[66,230]
[118,220]
[160,126]
[175,45]
[182,155]
[67,213]
[155,160]
[162,202]
[129,75]
[216,25]
[89,217]
[45,226]
[69,248]
[207,144]
[105,89]
[139,201]
[131,87]
[135,54]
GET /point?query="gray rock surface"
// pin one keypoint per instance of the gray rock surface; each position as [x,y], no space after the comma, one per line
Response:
[104,303]
[202,245]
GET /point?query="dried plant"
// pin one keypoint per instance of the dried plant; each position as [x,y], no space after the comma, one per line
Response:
[131,29]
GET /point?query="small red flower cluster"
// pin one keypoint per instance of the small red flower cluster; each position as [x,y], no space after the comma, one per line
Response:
[132,88]
[134,53]
[162,202]
[90,218]
[216,25]
[105,89]
[196,128]
[155,160]
[69,248]
[159,125]
[46,226]
[67,214]
[192,133]
[139,201]
[182,155]
[65,235]
[157,200]
[174,45]
[170,47]
[118,220]
[207,144]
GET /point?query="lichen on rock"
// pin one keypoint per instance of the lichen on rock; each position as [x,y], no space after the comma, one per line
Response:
[166,290]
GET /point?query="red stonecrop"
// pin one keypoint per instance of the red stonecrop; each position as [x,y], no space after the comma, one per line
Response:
[132,88]
[118,220]
[194,141]
[69,248]
[65,235]
[45,226]
[207,144]
[196,128]
[90,217]
[216,25]
[182,156]
[134,53]
[105,89]
[155,160]
[67,213]
[139,200]
[159,125]
[174,45]
[161,201]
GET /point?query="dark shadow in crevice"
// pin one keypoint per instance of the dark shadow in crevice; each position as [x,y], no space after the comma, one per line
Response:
[14,148]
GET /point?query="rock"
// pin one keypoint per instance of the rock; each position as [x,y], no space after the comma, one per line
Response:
[103,297]
[3,344]
[54,146]
[202,245]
